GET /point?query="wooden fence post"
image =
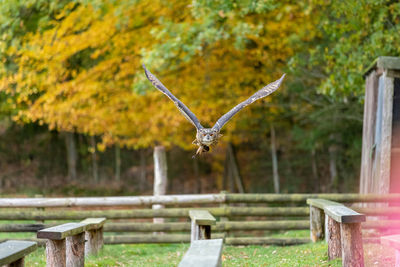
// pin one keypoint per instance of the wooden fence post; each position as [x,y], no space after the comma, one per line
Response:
[160,177]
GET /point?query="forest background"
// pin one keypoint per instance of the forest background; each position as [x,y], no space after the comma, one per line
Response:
[77,115]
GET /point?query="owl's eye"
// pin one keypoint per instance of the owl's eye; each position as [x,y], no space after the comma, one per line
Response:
[204,134]
[211,134]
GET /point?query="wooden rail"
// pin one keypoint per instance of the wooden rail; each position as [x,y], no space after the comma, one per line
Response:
[188,199]
[65,245]
[13,252]
[343,230]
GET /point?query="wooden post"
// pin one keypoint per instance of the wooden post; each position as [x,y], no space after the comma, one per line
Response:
[94,241]
[160,177]
[75,250]
[334,238]
[317,224]
[352,246]
[380,120]
[55,253]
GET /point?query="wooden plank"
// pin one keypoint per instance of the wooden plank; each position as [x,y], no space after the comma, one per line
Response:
[322,203]
[344,214]
[94,223]
[392,63]
[386,136]
[203,253]
[13,250]
[62,231]
[201,217]
[369,120]
[383,63]
[392,241]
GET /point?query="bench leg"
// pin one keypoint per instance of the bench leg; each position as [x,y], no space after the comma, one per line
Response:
[317,224]
[204,232]
[334,246]
[352,246]
[55,253]
[18,263]
[76,250]
[200,232]
[94,241]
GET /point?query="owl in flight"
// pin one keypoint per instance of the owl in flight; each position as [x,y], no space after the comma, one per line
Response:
[206,137]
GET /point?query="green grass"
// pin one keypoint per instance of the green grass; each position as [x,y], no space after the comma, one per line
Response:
[171,254]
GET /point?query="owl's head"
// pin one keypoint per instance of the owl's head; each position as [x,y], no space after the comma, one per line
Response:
[207,136]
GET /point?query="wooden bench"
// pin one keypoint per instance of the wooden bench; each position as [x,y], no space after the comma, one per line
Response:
[65,245]
[203,253]
[13,252]
[201,224]
[393,241]
[341,227]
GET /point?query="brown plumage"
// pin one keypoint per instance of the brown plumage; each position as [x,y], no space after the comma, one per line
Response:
[207,137]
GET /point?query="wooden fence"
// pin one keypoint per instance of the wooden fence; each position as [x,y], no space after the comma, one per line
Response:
[241,218]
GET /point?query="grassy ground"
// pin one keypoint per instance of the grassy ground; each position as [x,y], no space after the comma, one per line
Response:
[170,254]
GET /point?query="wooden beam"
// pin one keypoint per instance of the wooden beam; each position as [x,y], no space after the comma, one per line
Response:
[203,253]
[202,217]
[344,214]
[62,231]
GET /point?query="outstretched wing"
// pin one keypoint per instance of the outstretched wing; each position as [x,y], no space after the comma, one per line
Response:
[266,90]
[182,108]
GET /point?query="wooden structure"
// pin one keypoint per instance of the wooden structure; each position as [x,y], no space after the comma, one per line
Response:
[201,224]
[203,253]
[393,241]
[380,160]
[13,252]
[65,245]
[133,216]
[343,230]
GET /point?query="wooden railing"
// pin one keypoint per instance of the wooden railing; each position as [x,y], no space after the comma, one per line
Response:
[267,212]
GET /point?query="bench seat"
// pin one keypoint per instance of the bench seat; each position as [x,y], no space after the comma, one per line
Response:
[13,251]
[203,253]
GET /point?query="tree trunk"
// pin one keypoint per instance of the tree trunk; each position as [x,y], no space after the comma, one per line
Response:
[314,168]
[332,164]
[143,173]
[160,177]
[117,163]
[72,155]
[95,169]
[235,169]
[274,160]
